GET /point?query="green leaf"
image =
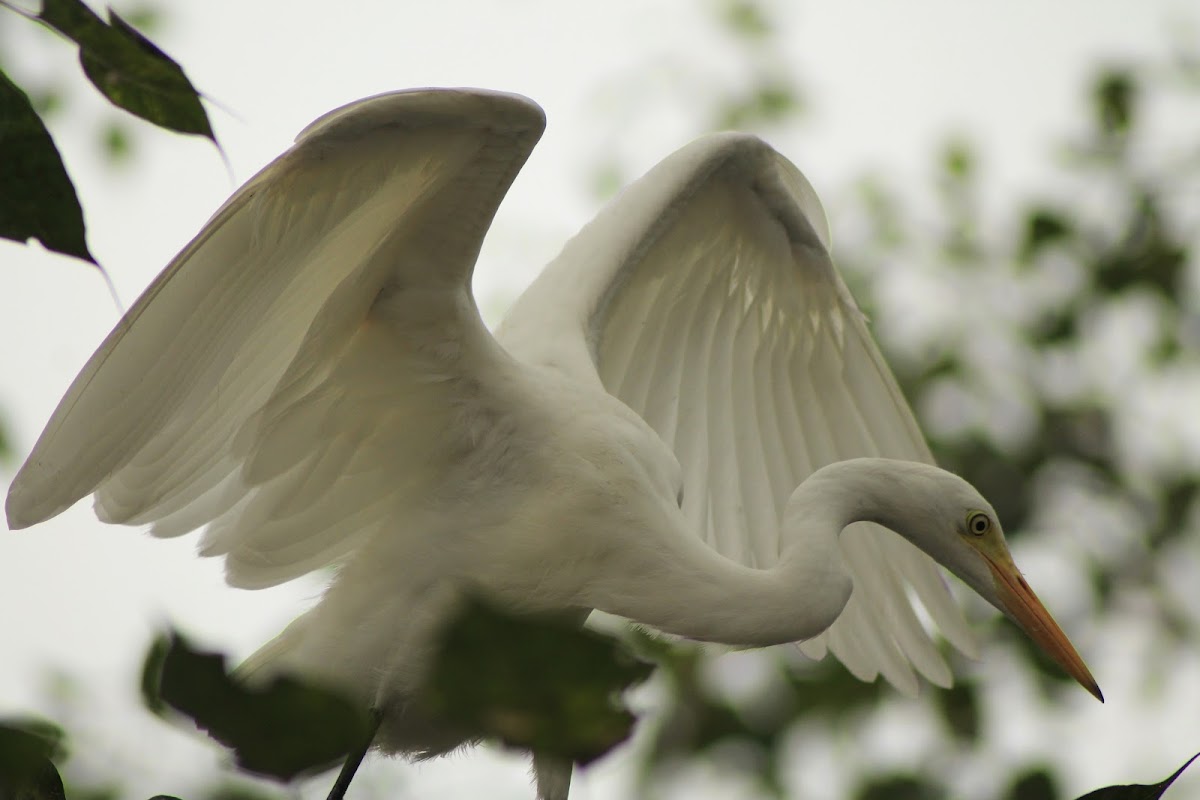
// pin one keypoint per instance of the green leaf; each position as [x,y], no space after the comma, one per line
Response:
[280,730]
[827,689]
[37,198]
[129,69]
[1037,783]
[26,771]
[959,708]
[699,722]
[958,160]
[1044,227]
[771,101]
[1057,326]
[747,19]
[1113,99]
[534,683]
[1137,791]
[152,670]
[5,443]
[901,787]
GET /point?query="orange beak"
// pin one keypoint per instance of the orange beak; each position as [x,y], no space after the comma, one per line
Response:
[1024,607]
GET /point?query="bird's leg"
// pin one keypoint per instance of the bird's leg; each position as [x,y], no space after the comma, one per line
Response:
[553,776]
[354,758]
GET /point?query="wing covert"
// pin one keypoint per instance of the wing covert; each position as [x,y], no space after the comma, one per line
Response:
[704,298]
[251,385]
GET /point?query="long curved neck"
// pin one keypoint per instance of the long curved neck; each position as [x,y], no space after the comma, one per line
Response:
[672,581]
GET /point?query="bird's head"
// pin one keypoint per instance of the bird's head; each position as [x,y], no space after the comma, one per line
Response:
[973,548]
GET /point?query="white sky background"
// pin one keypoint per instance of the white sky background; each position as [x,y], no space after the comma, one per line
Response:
[885,82]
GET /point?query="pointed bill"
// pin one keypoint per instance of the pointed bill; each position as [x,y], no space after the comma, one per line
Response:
[1024,607]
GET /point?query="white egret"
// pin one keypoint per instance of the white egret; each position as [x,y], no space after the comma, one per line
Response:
[311,380]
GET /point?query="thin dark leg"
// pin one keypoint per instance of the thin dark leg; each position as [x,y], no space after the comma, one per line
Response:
[338,792]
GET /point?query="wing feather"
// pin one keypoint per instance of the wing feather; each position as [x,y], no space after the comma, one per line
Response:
[713,310]
[287,364]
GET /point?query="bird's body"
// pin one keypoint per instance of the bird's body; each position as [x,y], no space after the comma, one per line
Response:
[487,516]
[674,424]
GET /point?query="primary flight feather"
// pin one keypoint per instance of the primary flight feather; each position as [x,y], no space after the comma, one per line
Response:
[683,421]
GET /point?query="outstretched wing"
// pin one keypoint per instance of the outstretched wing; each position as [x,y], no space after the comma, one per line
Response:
[286,365]
[705,299]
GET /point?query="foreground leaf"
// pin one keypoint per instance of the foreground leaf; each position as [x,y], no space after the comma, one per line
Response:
[1137,791]
[37,198]
[26,771]
[534,684]
[281,730]
[129,69]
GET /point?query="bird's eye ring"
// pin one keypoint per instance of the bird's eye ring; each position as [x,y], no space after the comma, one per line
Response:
[979,523]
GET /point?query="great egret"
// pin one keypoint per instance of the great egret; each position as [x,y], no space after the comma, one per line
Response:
[310,378]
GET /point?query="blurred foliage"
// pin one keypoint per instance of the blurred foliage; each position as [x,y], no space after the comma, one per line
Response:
[549,686]
[771,94]
[6,451]
[1037,392]
[26,769]
[900,787]
[280,729]
[762,93]
[1037,783]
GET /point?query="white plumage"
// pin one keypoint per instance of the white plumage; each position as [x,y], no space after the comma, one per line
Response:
[311,380]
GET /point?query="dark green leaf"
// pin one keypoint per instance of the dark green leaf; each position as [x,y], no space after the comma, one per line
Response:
[901,787]
[1056,326]
[1137,791]
[37,198]
[698,721]
[238,791]
[959,707]
[1175,505]
[1044,227]
[1149,253]
[129,69]
[828,689]
[152,669]
[280,730]
[1038,783]
[1114,98]
[534,683]
[26,771]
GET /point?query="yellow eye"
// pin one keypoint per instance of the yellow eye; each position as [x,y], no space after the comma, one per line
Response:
[979,523]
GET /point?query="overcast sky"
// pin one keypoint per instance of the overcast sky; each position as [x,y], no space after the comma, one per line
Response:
[883,83]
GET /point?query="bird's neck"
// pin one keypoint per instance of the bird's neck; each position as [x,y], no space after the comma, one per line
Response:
[680,585]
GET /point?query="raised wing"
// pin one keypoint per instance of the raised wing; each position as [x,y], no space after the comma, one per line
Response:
[254,385]
[705,299]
